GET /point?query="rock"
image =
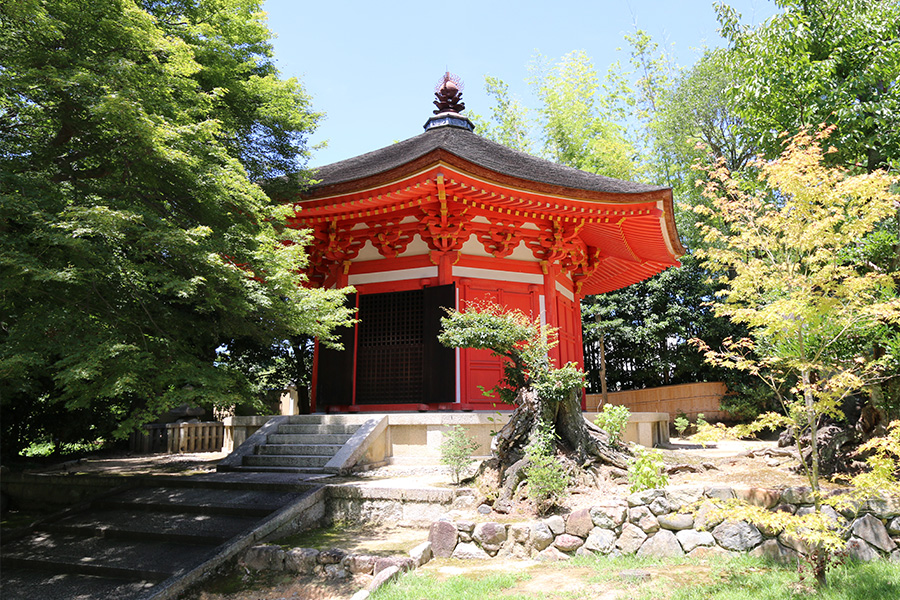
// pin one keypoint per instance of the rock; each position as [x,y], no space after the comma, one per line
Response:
[631,539]
[661,544]
[644,497]
[484,509]
[490,536]
[643,518]
[895,556]
[788,508]
[264,557]
[660,506]
[551,554]
[703,518]
[503,507]
[465,527]
[676,521]
[332,556]
[793,543]
[600,540]
[382,578]
[679,498]
[775,552]
[609,516]
[831,515]
[567,542]
[739,536]
[873,531]
[884,508]
[893,527]
[691,538]
[303,561]
[541,535]
[359,564]
[797,495]
[335,571]
[719,492]
[361,595]
[579,523]
[758,496]
[443,537]
[421,554]
[403,563]
[519,533]
[556,524]
[860,550]
[470,550]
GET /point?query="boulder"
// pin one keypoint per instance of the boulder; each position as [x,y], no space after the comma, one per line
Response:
[600,540]
[490,536]
[551,554]
[893,527]
[403,563]
[719,492]
[610,515]
[643,518]
[519,533]
[702,552]
[470,550]
[382,578]
[359,563]
[568,543]
[797,495]
[873,531]
[556,524]
[679,498]
[421,554]
[579,523]
[860,550]
[757,496]
[332,556]
[739,536]
[676,521]
[660,506]
[303,560]
[630,539]
[703,519]
[884,508]
[443,537]
[335,571]
[264,557]
[644,497]
[691,538]
[775,552]
[541,536]
[661,544]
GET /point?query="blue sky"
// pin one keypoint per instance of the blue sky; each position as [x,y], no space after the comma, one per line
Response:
[372,66]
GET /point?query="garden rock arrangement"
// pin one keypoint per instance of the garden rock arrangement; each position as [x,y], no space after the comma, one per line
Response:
[335,563]
[649,523]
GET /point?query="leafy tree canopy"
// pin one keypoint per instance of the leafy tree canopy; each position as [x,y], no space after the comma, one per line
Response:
[133,241]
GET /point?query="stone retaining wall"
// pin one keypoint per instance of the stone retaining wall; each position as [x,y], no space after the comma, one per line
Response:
[649,523]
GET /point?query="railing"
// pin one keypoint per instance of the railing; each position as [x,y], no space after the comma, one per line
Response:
[176,438]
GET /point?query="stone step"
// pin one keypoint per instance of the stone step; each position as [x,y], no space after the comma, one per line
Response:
[295,449]
[124,559]
[308,438]
[185,527]
[31,583]
[201,500]
[323,419]
[318,472]
[291,460]
[312,428]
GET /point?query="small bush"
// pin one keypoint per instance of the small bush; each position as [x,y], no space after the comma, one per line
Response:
[646,470]
[546,475]
[456,450]
[614,420]
[681,425]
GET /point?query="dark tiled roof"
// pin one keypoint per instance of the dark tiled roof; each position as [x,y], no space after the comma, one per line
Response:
[475,149]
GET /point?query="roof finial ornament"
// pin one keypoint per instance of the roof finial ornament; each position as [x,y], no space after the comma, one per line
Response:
[448,92]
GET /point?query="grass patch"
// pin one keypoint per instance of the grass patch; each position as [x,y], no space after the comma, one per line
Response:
[358,538]
[415,586]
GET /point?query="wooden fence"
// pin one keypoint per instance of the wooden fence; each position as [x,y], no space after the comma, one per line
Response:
[689,398]
[176,438]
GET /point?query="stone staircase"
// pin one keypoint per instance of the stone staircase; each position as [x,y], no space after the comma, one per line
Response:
[137,542]
[298,444]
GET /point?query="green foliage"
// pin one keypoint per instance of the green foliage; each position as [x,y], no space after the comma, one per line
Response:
[646,471]
[883,461]
[508,124]
[547,477]
[133,241]
[614,420]
[456,450]
[681,425]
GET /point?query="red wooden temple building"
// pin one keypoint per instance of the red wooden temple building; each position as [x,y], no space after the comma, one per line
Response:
[446,218]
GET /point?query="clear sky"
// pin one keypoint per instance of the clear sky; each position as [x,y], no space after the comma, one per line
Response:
[371,67]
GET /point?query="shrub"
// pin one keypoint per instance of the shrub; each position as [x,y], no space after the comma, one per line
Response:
[613,419]
[681,425]
[646,470]
[546,475]
[456,450]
